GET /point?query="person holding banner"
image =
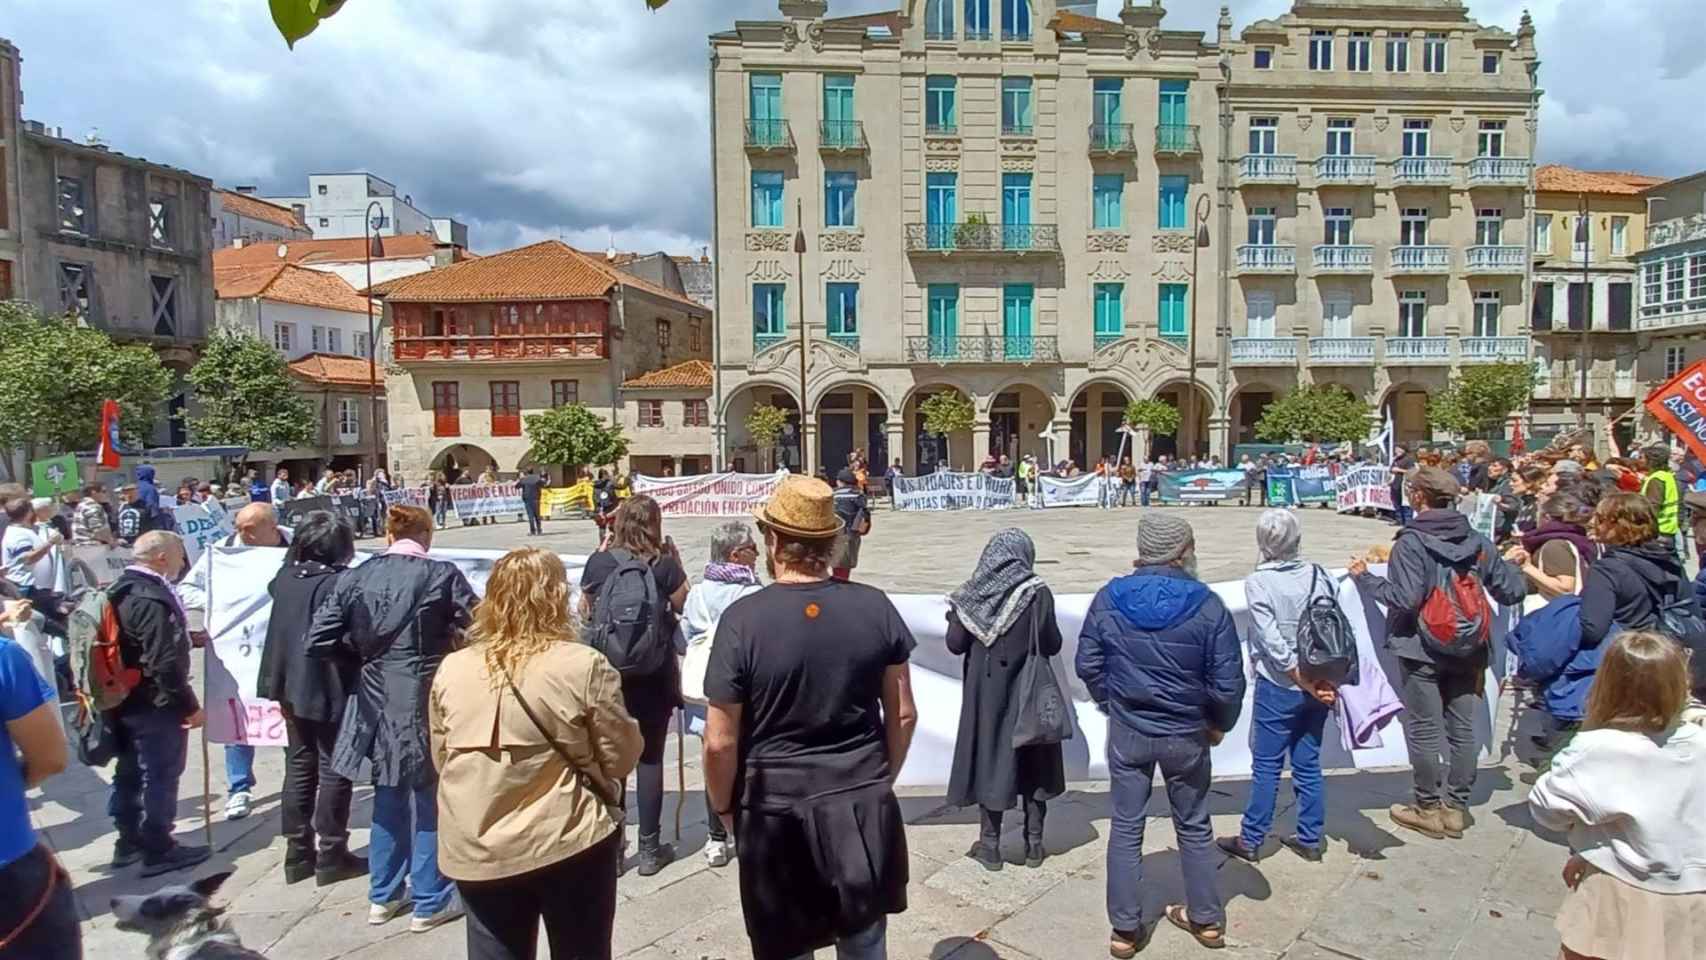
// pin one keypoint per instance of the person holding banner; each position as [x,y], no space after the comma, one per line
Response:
[400,614]
[855,514]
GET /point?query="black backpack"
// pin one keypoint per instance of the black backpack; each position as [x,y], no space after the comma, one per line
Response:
[626,625]
[1678,617]
[1326,647]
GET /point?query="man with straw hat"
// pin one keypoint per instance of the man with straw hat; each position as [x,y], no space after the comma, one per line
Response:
[809,721]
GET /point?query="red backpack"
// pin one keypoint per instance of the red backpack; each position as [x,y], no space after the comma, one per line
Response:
[1455,619]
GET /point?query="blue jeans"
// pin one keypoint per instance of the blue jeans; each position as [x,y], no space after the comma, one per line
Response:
[153,746]
[1184,763]
[871,943]
[404,842]
[1143,494]
[1285,721]
[239,768]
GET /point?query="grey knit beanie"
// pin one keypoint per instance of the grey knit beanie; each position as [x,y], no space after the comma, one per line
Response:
[1162,538]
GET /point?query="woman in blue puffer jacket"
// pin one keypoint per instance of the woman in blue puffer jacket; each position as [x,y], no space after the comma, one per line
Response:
[1552,655]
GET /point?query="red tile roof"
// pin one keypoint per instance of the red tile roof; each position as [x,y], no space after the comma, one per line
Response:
[1068,22]
[549,270]
[341,250]
[335,370]
[1562,179]
[257,209]
[287,283]
[693,374]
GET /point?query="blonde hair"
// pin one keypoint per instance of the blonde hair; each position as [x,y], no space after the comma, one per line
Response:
[525,610]
[1642,684]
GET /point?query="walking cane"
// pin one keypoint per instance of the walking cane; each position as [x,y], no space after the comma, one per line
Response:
[680,768]
[206,774]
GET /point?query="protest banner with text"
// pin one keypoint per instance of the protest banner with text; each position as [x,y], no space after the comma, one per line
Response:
[710,494]
[1088,490]
[474,501]
[1201,486]
[953,491]
[1680,404]
[1364,487]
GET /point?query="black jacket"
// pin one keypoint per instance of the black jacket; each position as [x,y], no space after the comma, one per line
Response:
[987,770]
[311,688]
[1433,539]
[154,638]
[1625,586]
[399,616]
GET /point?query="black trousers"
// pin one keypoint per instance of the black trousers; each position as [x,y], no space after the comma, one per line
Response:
[32,879]
[575,898]
[315,800]
[533,522]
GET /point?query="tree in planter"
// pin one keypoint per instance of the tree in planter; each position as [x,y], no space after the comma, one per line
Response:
[945,413]
[247,397]
[1316,413]
[54,376]
[764,425]
[1481,398]
[572,436]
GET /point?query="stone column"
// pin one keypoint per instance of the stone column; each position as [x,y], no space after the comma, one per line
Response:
[979,443]
[1092,426]
[1219,432]
[810,447]
[895,430]
[719,437]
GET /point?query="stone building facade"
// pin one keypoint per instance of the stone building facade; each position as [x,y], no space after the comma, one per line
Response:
[1672,316]
[1016,201]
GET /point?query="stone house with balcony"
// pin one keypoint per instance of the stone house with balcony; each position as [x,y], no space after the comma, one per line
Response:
[1671,320]
[1606,242]
[1378,200]
[479,344]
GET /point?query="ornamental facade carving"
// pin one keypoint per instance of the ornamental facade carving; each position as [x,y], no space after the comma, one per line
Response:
[942,164]
[761,240]
[839,241]
[1107,241]
[843,268]
[1018,164]
[1173,242]
[767,270]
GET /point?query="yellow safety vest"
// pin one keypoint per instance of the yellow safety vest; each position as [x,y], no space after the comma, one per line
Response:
[1669,511]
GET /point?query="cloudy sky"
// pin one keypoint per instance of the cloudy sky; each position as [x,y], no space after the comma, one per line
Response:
[586,118]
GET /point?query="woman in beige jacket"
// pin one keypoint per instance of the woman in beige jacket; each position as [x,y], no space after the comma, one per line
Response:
[523,825]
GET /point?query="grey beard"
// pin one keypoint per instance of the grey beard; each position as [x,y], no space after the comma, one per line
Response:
[1189,565]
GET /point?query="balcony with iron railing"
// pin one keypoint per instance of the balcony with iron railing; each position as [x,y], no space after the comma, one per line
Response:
[841,136]
[1112,140]
[1015,36]
[1499,171]
[769,136]
[941,129]
[983,34]
[938,33]
[1178,140]
[982,349]
[764,341]
[1342,351]
[1418,350]
[1494,349]
[1496,258]
[1102,341]
[1016,128]
[1264,351]
[847,341]
[1430,258]
[1421,171]
[1344,258]
[503,347]
[1257,168]
[1266,258]
[1345,170]
[1015,239]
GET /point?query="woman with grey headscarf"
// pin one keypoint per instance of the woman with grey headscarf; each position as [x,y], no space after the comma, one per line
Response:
[992,619]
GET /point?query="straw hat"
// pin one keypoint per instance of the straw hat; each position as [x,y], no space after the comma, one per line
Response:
[801,507]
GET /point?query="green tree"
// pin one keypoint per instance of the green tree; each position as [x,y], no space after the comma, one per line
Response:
[296,19]
[1314,413]
[572,436]
[54,376]
[764,425]
[247,397]
[945,413]
[1159,416]
[1481,398]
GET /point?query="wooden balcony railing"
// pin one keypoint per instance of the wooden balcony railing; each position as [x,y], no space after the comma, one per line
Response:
[554,346]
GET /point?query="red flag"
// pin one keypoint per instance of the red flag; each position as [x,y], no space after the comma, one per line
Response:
[1518,447]
[107,453]
[1680,404]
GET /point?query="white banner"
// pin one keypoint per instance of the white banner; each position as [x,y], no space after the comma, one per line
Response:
[710,494]
[199,526]
[475,500]
[406,496]
[953,491]
[1362,487]
[104,563]
[1088,490]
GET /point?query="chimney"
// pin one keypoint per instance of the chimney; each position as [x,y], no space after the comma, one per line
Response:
[236,243]
[247,189]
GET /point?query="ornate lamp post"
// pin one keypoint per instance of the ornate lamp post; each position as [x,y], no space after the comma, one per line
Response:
[375,248]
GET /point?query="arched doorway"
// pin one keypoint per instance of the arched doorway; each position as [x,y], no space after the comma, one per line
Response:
[851,417]
[463,460]
[1406,404]
[1097,413]
[1018,416]
[1248,405]
[743,454]
[925,450]
[1191,439]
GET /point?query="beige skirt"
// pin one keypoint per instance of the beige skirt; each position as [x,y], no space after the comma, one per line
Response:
[1608,919]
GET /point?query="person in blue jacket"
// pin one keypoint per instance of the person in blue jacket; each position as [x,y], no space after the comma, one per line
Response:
[1551,654]
[1159,654]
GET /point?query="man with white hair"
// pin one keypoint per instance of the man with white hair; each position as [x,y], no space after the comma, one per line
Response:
[256,526]
[152,725]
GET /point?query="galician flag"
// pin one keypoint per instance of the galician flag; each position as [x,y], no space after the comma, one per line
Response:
[108,451]
[52,477]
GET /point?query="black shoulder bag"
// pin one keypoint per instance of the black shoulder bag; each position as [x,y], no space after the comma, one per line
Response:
[1043,715]
[591,784]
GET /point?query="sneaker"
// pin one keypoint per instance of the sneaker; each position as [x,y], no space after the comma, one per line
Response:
[179,857]
[452,911]
[126,853]
[379,914]
[238,806]
[1426,821]
[718,853]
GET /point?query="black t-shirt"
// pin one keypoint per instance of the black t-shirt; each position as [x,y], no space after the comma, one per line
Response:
[530,485]
[666,570]
[805,661]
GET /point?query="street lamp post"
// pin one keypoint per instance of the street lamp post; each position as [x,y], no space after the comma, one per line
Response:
[800,272]
[1584,227]
[1204,204]
[375,248]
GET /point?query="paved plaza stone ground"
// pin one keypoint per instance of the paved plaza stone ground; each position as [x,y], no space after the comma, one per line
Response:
[1381,893]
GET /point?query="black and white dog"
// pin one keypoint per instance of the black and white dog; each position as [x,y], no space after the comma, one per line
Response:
[181,923]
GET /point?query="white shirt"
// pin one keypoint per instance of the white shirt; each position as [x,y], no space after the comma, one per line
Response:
[280,491]
[18,542]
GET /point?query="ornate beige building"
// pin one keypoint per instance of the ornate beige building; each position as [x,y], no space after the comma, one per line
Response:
[1016,201]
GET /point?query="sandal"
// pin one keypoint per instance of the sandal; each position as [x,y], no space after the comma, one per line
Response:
[1210,935]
